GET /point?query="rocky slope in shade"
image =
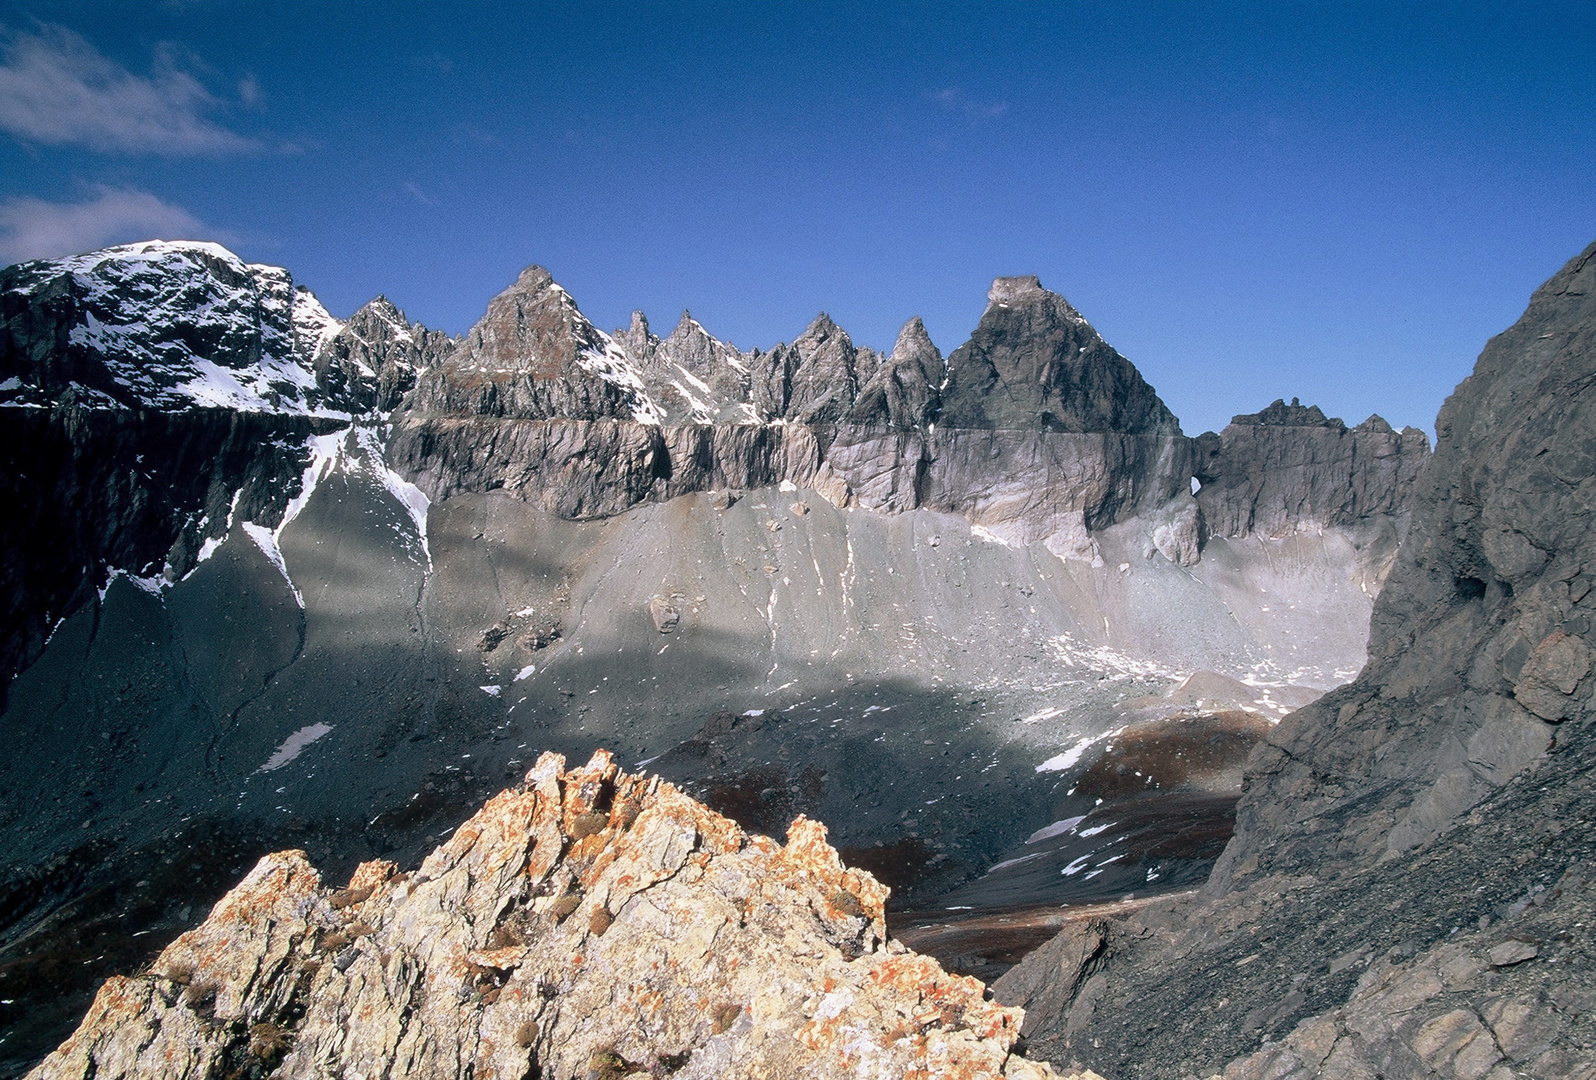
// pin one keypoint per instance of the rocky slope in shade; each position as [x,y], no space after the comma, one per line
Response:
[1289,466]
[89,490]
[155,393]
[1449,786]
[587,923]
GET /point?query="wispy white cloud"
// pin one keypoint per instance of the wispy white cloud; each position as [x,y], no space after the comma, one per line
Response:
[36,229]
[56,88]
[955,100]
[413,189]
[249,92]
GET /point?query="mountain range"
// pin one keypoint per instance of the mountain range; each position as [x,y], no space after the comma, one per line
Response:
[278,579]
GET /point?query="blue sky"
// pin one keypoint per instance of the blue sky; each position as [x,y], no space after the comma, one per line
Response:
[1340,202]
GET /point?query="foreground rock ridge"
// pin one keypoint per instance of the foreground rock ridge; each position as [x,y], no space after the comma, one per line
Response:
[1410,888]
[586,923]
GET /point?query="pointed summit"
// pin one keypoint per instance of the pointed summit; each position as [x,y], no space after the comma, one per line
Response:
[534,355]
[1035,363]
[905,392]
[638,340]
[825,381]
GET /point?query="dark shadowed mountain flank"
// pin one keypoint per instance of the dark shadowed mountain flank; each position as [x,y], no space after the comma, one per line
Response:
[283,581]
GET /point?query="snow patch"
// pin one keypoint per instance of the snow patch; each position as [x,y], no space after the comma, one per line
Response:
[1006,863]
[1047,832]
[412,498]
[266,540]
[1077,866]
[1060,762]
[491,691]
[293,745]
[525,673]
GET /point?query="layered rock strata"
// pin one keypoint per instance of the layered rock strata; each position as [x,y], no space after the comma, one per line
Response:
[585,923]
[1036,428]
[1449,788]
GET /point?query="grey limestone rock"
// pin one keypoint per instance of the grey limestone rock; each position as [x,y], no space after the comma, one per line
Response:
[1289,467]
[825,380]
[1424,795]
[905,393]
[1034,363]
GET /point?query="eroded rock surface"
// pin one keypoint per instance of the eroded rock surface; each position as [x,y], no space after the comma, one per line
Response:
[585,923]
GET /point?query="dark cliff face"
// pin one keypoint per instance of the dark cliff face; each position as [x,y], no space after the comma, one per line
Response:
[1287,466]
[1480,643]
[88,490]
[1035,363]
[1416,845]
[154,392]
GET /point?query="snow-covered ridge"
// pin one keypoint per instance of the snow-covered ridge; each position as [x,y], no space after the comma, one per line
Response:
[177,325]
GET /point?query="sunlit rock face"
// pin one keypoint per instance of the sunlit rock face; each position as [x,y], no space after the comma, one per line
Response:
[586,922]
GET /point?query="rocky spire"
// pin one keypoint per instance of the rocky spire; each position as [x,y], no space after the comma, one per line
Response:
[824,383]
[1034,362]
[905,392]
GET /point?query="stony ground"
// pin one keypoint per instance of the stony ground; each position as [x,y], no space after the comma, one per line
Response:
[1377,963]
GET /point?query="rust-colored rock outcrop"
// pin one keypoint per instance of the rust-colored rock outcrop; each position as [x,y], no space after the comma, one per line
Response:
[584,923]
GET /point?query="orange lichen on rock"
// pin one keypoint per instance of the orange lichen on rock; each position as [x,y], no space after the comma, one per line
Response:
[585,913]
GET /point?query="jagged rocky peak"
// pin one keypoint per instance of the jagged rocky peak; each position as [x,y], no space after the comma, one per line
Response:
[584,923]
[905,392]
[1290,467]
[377,354]
[533,355]
[827,372]
[533,327]
[1034,363]
[691,376]
[638,339]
